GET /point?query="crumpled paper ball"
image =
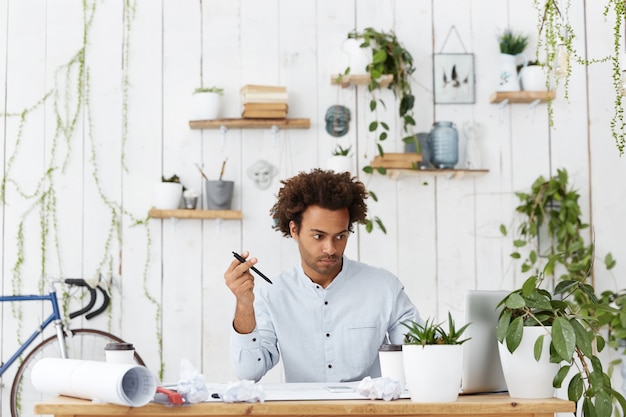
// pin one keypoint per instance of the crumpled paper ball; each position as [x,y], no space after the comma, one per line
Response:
[383,388]
[191,383]
[242,391]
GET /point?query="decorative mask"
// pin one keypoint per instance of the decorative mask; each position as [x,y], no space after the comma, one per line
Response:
[337,120]
[262,173]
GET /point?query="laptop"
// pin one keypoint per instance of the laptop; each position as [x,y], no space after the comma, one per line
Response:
[482,372]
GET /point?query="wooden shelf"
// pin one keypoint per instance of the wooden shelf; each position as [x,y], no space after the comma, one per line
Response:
[359,79]
[195,214]
[250,123]
[396,173]
[522,96]
[396,160]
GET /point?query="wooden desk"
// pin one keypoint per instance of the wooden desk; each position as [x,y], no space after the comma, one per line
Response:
[467,405]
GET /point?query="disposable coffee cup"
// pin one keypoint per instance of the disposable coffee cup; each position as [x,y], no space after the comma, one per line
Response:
[391,365]
[119,353]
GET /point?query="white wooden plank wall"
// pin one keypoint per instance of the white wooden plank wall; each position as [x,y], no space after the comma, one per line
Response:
[443,235]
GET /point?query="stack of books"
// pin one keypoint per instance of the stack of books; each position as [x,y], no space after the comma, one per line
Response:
[264,102]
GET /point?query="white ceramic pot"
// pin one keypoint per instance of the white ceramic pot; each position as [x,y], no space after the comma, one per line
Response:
[433,372]
[167,195]
[525,377]
[206,106]
[533,78]
[357,58]
[340,163]
[509,78]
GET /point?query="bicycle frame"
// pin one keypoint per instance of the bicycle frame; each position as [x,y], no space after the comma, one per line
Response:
[54,317]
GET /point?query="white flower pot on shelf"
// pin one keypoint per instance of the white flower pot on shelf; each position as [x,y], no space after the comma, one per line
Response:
[526,377]
[533,78]
[509,77]
[340,163]
[206,106]
[167,195]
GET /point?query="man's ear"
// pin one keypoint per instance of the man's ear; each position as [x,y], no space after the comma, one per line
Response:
[293,229]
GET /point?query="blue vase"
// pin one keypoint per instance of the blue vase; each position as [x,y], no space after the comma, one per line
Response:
[443,145]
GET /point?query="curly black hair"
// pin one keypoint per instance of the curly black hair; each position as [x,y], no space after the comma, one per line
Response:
[327,189]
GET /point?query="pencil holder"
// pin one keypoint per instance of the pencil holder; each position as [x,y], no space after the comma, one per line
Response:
[219,194]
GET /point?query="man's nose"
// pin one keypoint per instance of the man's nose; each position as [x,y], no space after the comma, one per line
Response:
[329,247]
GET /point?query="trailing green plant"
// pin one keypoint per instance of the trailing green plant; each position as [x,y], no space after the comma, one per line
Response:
[555,35]
[68,97]
[389,57]
[431,333]
[512,43]
[575,337]
[613,316]
[551,211]
[214,89]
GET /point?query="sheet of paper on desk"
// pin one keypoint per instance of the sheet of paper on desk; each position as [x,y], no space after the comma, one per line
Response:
[312,391]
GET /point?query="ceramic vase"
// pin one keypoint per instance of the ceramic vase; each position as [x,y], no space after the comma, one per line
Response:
[509,77]
[433,372]
[357,58]
[526,377]
[443,145]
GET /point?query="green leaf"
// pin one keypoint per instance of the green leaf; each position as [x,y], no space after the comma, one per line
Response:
[560,376]
[538,347]
[529,286]
[503,230]
[503,325]
[373,126]
[575,388]
[604,406]
[514,334]
[515,301]
[518,243]
[583,338]
[563,338]
[368,170]
[373,195]
[372,105]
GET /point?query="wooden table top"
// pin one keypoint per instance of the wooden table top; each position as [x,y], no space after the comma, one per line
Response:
[486,405]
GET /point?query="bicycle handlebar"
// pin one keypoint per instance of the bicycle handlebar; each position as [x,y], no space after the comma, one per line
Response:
[93,295]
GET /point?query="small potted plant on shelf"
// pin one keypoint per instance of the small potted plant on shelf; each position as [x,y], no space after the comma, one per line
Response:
[512,44]
[341,159]
[431,349]
[206,101]
[168,193]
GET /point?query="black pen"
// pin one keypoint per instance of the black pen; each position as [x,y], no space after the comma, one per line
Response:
[242,260]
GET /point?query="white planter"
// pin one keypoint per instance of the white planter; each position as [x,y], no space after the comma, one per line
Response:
[340,163]
[509,78]
[433,372]
[206,106]
[533,78]
[525,377]
[357,58]
[167,195]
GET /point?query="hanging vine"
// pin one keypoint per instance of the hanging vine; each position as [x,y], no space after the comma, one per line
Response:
[69,97]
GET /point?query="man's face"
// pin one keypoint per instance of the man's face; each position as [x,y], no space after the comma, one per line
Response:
[322,240]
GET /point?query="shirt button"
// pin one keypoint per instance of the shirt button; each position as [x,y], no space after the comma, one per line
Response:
[329,366]
[327,334]
[325,303]
[258,359]
[254,339]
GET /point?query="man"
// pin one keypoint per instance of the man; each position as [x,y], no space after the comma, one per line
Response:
[327,316]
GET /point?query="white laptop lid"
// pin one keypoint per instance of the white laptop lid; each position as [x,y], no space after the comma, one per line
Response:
[482,371]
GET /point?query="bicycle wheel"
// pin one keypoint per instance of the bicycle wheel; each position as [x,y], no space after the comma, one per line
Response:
[85,344]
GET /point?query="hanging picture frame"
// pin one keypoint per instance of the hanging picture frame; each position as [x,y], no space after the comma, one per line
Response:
[453,78]
[453,75]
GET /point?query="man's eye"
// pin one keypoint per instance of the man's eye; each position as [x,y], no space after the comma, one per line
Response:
[317,237]
[341,237]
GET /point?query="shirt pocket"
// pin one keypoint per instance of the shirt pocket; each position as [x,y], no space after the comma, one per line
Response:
[361,345]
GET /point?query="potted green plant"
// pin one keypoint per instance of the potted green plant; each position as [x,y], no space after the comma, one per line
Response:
[168,193]
[512,44]
[389,57]
[568,337]
[533,77]
[550,231]
[431,349]
[341,159]
[206,101]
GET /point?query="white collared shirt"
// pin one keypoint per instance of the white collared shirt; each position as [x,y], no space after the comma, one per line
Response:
[323,334]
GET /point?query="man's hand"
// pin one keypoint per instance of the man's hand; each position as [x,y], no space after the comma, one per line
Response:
[241,283]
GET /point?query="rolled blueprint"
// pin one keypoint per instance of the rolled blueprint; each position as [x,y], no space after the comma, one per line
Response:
[125,384]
